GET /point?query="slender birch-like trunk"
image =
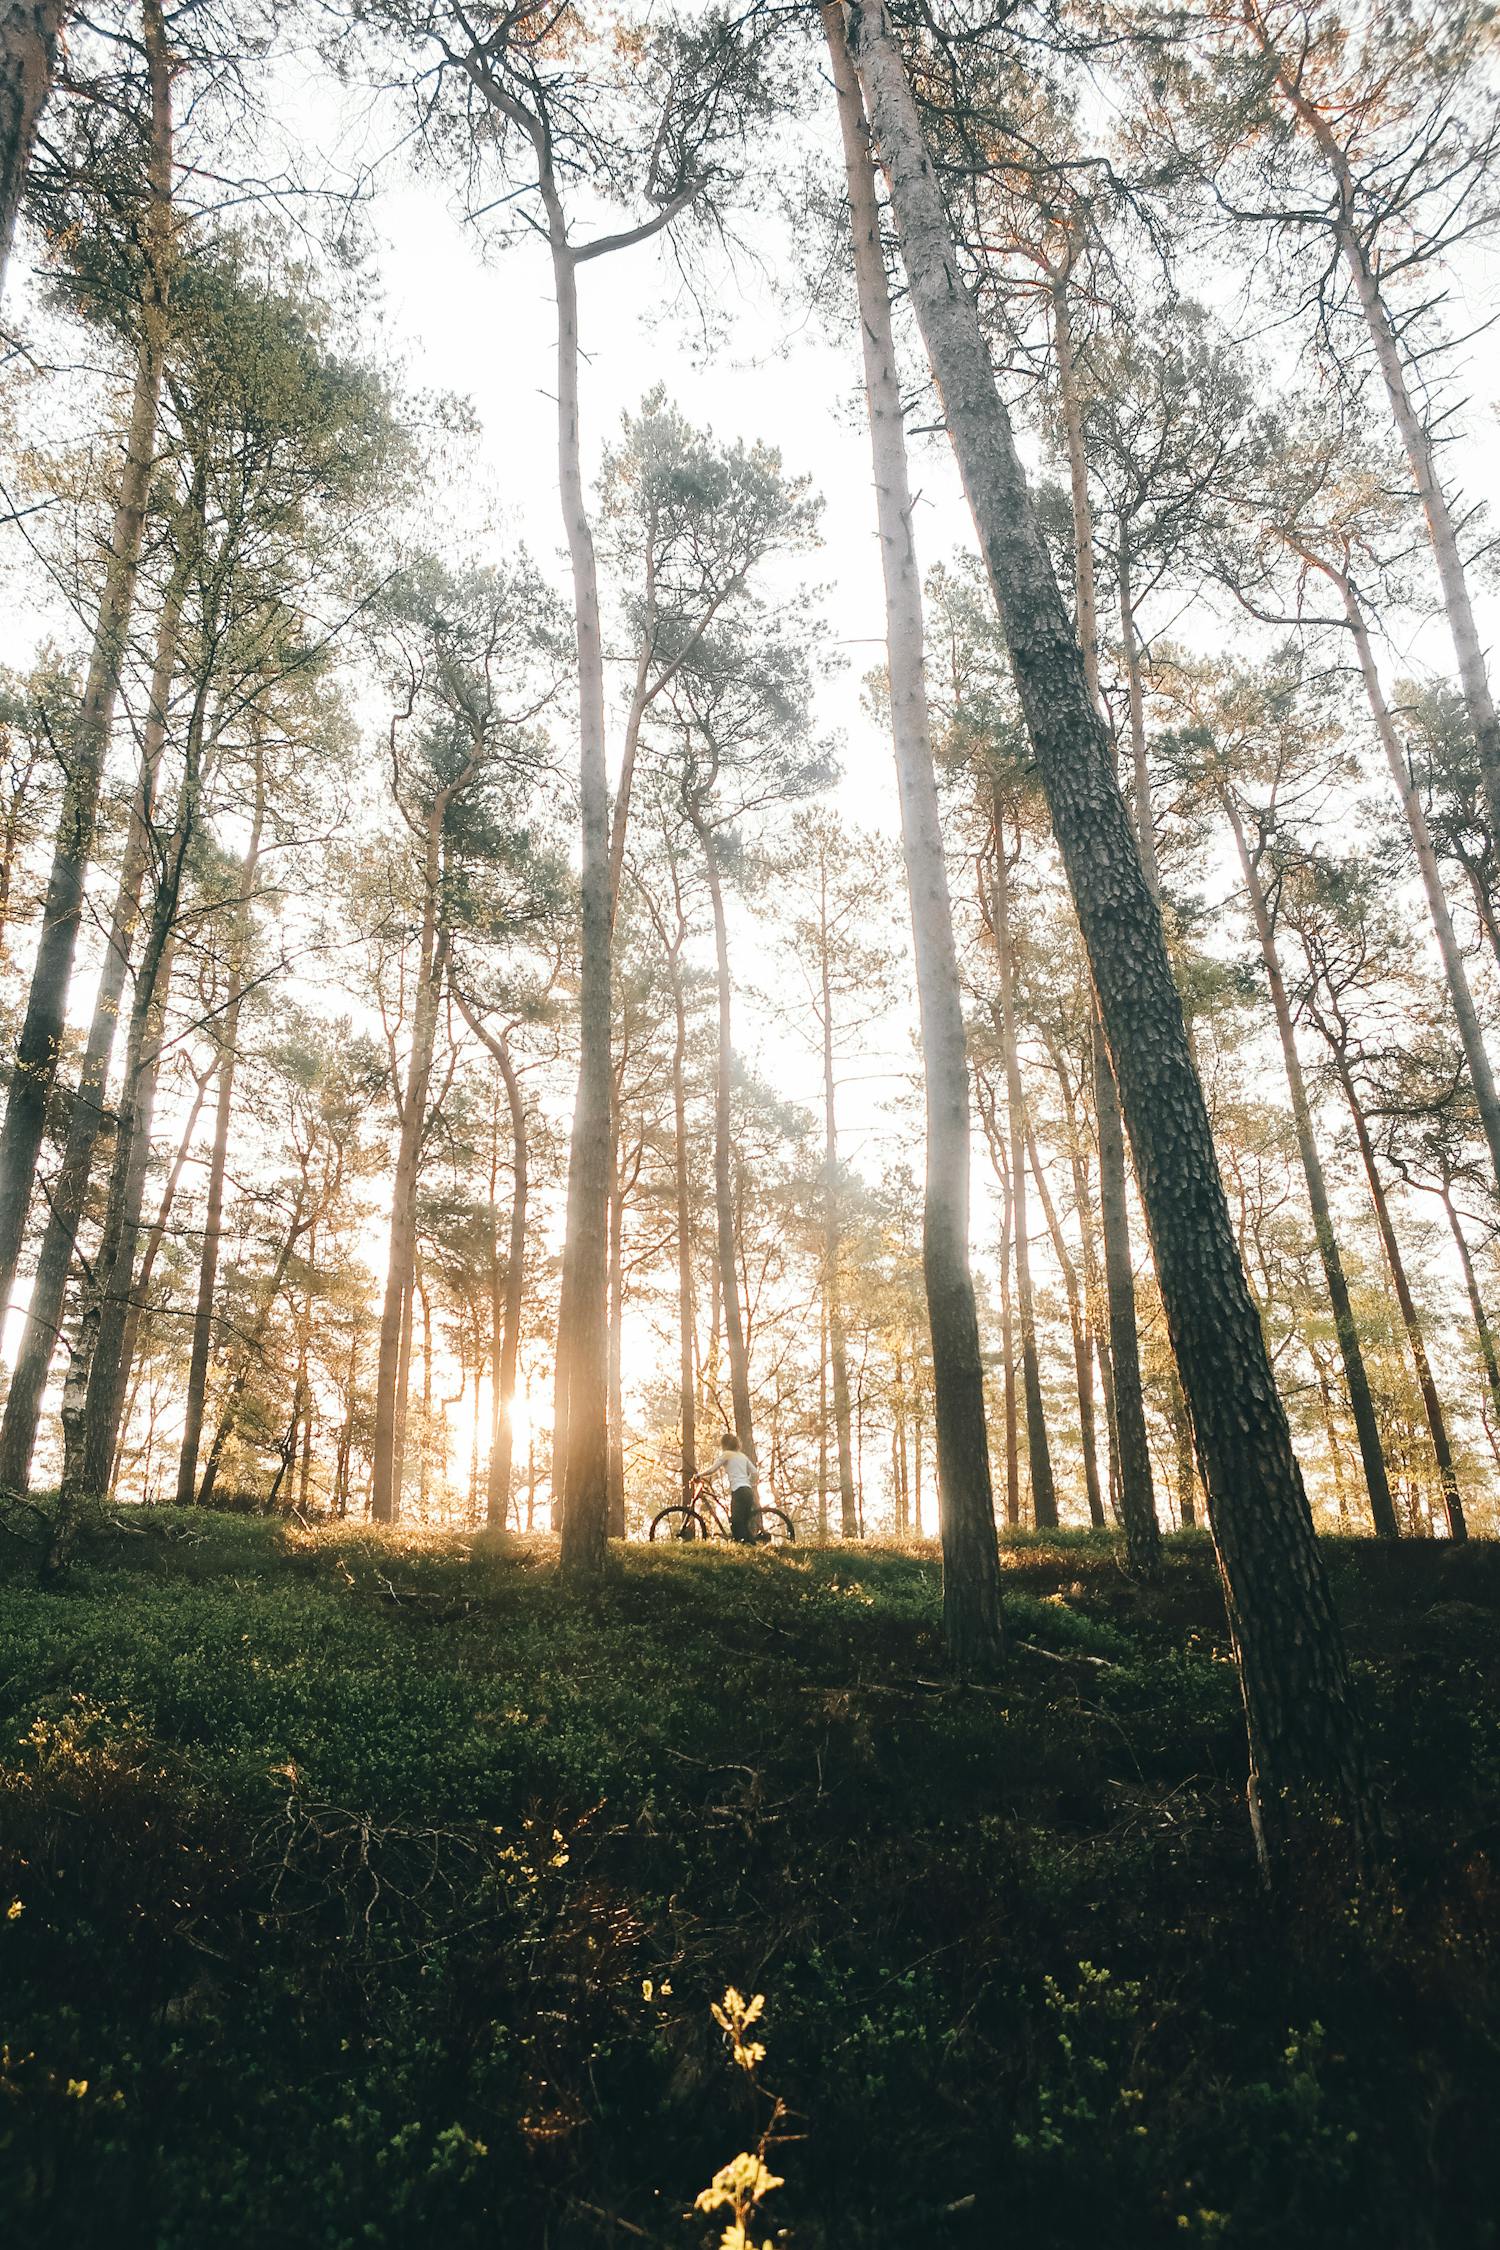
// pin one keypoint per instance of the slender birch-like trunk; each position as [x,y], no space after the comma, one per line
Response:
[838,1346]
[729,1265]
[1305,1739]
[1377,1483]
[972,1617]
[39,1047]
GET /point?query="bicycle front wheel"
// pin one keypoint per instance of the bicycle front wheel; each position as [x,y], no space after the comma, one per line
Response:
[679,1523]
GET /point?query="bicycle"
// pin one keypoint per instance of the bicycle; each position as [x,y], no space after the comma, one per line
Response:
[700,1517]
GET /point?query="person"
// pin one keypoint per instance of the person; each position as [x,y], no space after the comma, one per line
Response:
[744,1484]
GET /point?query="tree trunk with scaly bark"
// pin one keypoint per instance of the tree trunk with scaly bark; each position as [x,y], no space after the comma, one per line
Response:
[1305,1739]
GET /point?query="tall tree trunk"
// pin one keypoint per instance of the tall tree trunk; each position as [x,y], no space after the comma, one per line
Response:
[823,1418]
[1083,1362]
[390,1389]
[1305,1739]
[1377,1483]
[1140,765]
[616,1345]
[1432,1406]
[972,1617]
[37,1051]
[1130,1454]
[29,32]
[832,1248]
[69,1190]
[687,1397]
[729,1264]
[109,1371]
[1417,439]
[213,1219]
[498,1495]
[1038,1452]
[580,1421]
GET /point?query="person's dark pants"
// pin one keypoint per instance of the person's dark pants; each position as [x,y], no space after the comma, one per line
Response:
[744,1516]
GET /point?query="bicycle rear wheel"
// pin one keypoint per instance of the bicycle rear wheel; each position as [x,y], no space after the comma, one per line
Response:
[679,1523]
[776,1529]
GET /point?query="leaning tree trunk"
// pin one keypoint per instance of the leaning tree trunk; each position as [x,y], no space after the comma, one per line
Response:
[38,1049]
[1038,1452]
[1377,1484]
[729,1264]
[1432,1405]
[23,1403]
[838,1345]
[213,1220]
[1305,1738]
[29,32]
[1124,1392]
[972,1617]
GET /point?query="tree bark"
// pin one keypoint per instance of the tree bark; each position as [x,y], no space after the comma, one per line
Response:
[1377,1483]
[1305,1739]
[38,1049]
[1130,1454]
[29,31]
[972,1616]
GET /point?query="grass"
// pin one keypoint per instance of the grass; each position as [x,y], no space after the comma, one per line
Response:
[370,1890]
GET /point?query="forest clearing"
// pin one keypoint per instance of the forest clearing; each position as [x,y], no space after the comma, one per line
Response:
[750,1162]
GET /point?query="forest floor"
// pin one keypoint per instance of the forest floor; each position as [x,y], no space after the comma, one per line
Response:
[362,1889]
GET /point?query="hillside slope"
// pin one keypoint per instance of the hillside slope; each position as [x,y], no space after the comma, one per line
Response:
[368,1890]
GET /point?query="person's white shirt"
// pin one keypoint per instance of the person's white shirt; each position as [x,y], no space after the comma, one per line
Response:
[740,1469]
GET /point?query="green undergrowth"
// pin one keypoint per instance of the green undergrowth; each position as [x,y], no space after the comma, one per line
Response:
[362,1889]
